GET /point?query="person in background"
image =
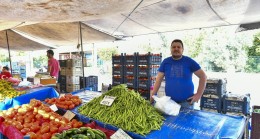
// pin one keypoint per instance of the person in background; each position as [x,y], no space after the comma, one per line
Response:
[53,65]
[5,73]
[178,70]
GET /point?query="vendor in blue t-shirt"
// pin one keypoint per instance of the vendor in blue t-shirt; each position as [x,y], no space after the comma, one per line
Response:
[178,70]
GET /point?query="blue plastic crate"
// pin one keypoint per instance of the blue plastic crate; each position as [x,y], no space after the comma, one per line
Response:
[145,83]
[212,102]
[236,104]
[130,59]
[116,80]
[149,59]
[130,70]
[147,71]
[216,87]
[118,59]
[118,70]
[145,93]
[131,82]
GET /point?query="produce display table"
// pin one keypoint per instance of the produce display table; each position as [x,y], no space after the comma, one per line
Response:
[188,124]
[40,93]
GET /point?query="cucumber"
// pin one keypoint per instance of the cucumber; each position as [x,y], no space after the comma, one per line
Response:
[99,132]
[98,136]
[92,134]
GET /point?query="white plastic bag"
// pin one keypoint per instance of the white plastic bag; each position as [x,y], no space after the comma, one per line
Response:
[166,105]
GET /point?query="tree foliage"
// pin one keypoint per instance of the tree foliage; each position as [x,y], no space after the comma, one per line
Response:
[106,54]
[40,61]
[253,53]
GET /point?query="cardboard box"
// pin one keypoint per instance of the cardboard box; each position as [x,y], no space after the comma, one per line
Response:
[48,81]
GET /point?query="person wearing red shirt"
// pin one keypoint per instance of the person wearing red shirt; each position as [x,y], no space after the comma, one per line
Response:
[53,64]
[5,73]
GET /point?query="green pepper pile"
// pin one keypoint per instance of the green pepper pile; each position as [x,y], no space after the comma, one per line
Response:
[129,111]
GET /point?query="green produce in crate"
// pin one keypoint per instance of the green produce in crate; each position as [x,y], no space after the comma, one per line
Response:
[80,133]
[129,111]
[7,91]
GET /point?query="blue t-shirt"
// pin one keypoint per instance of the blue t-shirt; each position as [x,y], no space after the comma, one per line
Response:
[178,77]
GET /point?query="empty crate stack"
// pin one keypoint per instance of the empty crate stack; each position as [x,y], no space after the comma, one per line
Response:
[62,76]
[73,72]
[91,83]
[148,65]
[236,104]
[117,69]
[213,94]
[130,71]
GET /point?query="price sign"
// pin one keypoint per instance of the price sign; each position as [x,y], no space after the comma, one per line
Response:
[69,115]
[120,134]
[54,107]
[108,100]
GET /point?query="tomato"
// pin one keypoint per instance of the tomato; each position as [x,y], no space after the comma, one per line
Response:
[62,98]
[32,135]
[76,103]
[25,130]
[80,124]
[27,120]
[35,127]
[46,136]
[73,121]
[47,100]
[71,106]
[27,125]
[38,116]
[19,126]
[54,129]
[45,129]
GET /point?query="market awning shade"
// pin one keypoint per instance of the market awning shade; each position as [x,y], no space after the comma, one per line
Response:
[56,21]
[19,42]
[64,34]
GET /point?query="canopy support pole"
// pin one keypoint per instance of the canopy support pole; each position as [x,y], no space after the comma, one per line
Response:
[82,56]
[9,51]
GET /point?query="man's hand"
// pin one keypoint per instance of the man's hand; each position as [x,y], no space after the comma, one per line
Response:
[195,98]
[151,99]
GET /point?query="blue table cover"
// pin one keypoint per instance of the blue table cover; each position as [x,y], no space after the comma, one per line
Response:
[189,124]
[40,93]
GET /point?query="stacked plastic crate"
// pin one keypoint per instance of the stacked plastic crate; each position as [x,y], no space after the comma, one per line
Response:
[148,65]
[73,73]
[91,83]
[236,104]
[213,94]
[130,71]
[62,76]
[117,69]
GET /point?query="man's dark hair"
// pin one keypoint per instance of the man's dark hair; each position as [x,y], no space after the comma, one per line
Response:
[177,40]
[6,68]
[50,52]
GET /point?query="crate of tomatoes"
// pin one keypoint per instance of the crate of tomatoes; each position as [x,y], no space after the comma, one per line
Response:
[36,120]
[67,101]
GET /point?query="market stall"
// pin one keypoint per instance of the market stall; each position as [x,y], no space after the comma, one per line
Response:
[188,124]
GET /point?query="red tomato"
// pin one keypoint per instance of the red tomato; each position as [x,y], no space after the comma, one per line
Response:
[71,106]
[54,129]
[19,126]
[35,127]
[46,136]
[27,125]
[32,135]
[25,130]
[45,129]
